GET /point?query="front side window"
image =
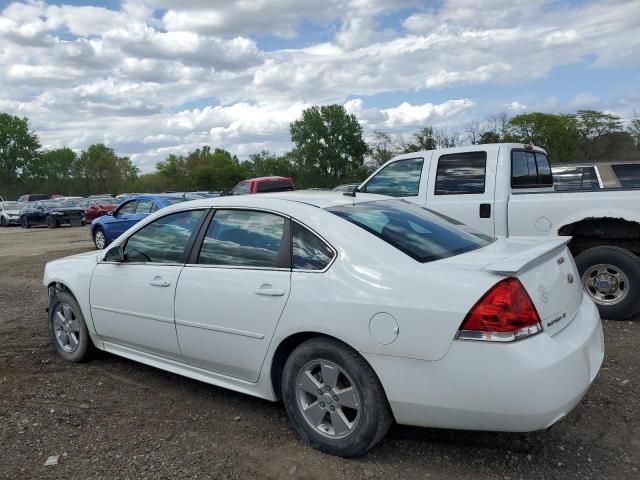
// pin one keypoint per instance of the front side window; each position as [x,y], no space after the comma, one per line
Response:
[398,179]
[461,173]
[628,174]
[127,208]
[309,251]
[241,189]
[412,229]
[245,238]
[145,206]
[165,240]
[530,170]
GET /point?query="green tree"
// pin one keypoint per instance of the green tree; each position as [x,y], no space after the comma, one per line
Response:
[175,173]
[597,134]
[557,134]
[489,137]
[104,171]
[328,144]
[18,147]
[265,164]
[54,165]
[217,170]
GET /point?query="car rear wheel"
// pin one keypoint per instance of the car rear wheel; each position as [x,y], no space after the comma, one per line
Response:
[100,239]
[334,399]
[24,222]
[68,329]
[611,277]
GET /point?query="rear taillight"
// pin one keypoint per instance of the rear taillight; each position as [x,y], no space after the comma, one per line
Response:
[504,314]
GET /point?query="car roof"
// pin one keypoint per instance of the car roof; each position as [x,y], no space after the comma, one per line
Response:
[156,196]
[265,179]
[320,199]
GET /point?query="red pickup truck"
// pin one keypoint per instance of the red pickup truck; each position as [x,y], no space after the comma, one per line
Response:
[263,185]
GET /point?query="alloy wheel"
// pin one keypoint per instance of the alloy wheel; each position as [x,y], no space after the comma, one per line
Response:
[100,239]
[66,327]
[328,399]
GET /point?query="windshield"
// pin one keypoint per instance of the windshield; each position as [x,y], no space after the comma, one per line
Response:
[107,201]
[61,203]
[420,233]
[11,205]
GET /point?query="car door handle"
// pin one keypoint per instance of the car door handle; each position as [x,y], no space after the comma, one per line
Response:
[268,291]
[159,282]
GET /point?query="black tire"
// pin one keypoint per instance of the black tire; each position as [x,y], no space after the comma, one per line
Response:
[24,222]
[3,222]
[85,346]
[375,415]
[624,261]
[51,222]
[95,234]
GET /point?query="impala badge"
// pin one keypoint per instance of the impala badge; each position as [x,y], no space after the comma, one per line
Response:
[544,293]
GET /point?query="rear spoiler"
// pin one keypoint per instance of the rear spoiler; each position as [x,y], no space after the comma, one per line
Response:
[519,261]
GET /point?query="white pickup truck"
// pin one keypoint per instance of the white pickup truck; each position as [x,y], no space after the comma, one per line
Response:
[507,190]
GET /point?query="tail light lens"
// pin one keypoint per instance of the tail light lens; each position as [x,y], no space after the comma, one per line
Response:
[504,314]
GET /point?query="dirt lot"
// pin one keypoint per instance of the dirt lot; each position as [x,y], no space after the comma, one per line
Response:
[112,418]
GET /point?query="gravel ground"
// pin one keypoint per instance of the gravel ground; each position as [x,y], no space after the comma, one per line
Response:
[113,418]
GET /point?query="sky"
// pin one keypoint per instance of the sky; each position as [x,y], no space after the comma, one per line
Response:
[154,77]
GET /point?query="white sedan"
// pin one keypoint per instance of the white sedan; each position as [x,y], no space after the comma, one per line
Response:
[355,311]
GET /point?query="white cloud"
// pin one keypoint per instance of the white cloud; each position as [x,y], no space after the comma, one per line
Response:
[159,76]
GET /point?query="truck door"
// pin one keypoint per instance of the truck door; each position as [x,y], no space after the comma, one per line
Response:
[463,187]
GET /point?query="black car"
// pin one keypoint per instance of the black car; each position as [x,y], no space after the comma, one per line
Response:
[51,213]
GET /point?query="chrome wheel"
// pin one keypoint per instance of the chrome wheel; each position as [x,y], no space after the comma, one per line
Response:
[100,239]
[605,284]
[66,328]
[328,399]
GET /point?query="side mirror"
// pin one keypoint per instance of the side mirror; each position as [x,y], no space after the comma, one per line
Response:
[114,254]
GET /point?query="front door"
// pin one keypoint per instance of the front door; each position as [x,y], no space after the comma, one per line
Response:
[132,302]
[230,298]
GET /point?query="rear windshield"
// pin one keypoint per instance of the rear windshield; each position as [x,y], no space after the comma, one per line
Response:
[61,203]
[173,201]
[628,174]
[420,233]
[275,186]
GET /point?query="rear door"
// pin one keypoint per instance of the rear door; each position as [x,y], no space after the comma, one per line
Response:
[232,293]
[463,188]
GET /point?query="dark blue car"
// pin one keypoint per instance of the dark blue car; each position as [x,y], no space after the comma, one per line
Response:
[107,228]
[51,213]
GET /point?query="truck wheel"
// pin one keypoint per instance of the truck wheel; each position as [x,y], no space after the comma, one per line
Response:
[611,277]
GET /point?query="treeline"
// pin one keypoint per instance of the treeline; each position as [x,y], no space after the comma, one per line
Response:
[329,149]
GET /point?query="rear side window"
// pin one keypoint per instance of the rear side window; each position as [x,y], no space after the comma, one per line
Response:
[145,206]
[628,174]
[411,229]
[245,238]
[127,208]
[309,251]
[461,173]
[398,179]
[275,186]
[530,170]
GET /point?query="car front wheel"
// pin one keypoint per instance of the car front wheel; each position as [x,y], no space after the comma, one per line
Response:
[100,239]
[24,222]
[334,399]
[68,329]
[3,222]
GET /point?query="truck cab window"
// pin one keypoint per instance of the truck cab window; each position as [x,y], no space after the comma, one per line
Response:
[461,173]
[398,179]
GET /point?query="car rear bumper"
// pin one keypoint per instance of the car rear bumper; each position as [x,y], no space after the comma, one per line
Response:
[522,386]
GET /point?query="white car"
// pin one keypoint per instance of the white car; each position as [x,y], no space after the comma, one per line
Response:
[355,311]
[10,213]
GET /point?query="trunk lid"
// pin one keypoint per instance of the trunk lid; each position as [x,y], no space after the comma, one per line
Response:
[546,269]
